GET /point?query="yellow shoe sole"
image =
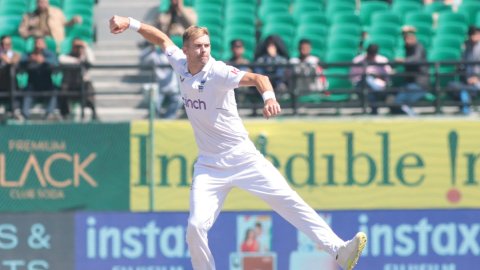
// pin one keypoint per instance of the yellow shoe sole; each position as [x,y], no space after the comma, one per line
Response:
[362,242]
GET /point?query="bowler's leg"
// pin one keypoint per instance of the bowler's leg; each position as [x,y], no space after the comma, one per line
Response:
[206,199]
[266,182]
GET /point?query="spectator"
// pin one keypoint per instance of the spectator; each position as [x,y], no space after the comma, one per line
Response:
[371,75]
[39,64]
[469,84]
[8,58]
[238,51]
[176,19]
[46,20]
[81,56]
[416,79]
[309,73]
[270,53]
[168,88]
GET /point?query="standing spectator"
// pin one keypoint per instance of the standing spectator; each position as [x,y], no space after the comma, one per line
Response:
[270,53]
[8,59]
[307,70]
[371,74]
[469,83]
[46,20]
[176,19]
[416,80]
[74,79]
[39,65]
[168,88]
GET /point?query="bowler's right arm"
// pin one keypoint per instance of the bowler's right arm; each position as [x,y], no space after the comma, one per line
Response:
[118,24]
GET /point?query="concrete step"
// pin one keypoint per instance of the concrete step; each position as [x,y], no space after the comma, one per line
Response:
[117,86]
[119,101]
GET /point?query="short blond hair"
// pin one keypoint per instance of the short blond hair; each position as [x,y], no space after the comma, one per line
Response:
[193,32]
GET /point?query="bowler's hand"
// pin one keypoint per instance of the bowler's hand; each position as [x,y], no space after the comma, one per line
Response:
[271,108]
[118,24]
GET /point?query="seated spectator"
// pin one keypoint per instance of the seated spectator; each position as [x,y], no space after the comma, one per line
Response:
[8,58]
[168,88]
[469,84]
[46,20]
[74,79]
[176,19]
[373,77]
[416,79]
[39,65]
[270,53]
[238,58]
[307,69]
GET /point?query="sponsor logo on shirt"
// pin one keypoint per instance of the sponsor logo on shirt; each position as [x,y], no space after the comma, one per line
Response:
[235,71]
[197,104]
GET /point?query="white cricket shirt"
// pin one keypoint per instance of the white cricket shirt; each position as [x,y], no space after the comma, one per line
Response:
[210,105]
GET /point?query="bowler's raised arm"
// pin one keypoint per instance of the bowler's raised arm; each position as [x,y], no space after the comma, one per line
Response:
[119,24]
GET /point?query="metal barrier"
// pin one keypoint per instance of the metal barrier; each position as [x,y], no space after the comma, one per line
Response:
[291,97]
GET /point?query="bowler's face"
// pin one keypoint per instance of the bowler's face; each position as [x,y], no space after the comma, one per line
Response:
[198,50]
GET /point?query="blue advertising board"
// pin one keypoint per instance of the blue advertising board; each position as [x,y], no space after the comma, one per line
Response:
[398,240]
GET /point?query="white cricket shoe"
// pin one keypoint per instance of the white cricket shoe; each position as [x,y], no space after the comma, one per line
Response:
[348,255]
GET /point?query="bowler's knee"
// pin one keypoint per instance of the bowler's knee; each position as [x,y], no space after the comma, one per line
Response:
[196,229]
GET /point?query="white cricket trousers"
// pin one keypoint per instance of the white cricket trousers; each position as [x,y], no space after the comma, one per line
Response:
[210,187]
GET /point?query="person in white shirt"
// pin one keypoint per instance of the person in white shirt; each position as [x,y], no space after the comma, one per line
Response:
[227,157]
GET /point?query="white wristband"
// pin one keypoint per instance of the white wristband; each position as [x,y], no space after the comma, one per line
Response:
[134,24]
[269,94]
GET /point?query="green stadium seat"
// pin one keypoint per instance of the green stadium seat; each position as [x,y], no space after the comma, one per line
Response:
[452,29]
[85,33]
[447,72]
[273,18]
[241,2]
[386,17]
[367,9]
[436,7]
[272,8]
[311,29]
[337,79]
[352,30]
[239,29]
[200,3]
[342,42]
[342,54]
[285,31]
[346,17]
[208,20]
[450,16]
[385,29]
[470,10]
[9,25]
[452,42]
[18,44]
[12,10]
[244,10]
[301,8]
[209,10]
[334,10]
[402,8]
[314,18]
[419,16]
